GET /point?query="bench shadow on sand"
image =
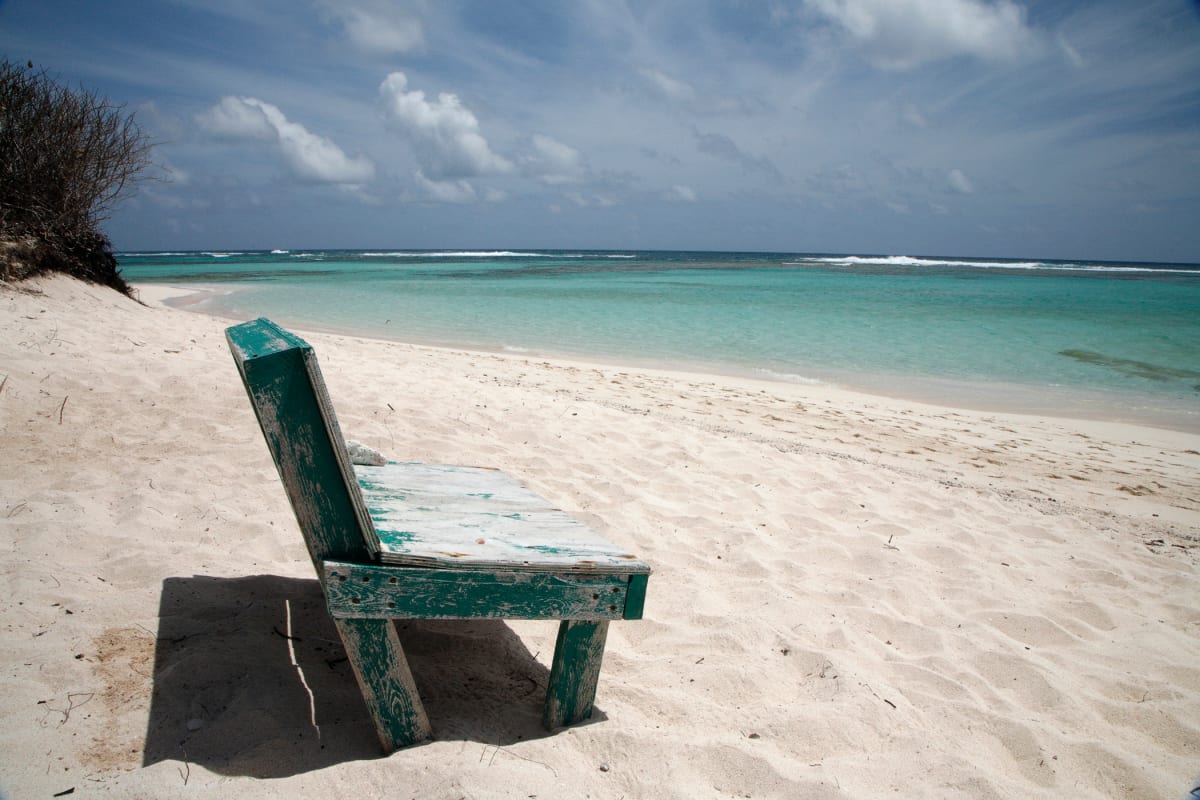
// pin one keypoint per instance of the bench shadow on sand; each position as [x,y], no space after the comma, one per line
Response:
[228,696]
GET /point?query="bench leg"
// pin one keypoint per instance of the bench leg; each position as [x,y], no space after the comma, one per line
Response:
[574,673]
[386,681]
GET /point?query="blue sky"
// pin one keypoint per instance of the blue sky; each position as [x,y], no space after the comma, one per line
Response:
[915,127]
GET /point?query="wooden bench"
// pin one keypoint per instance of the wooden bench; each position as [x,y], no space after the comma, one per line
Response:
[429,541]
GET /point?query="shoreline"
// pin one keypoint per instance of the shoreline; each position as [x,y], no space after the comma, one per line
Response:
[851,595]
[994,397]
[879,409]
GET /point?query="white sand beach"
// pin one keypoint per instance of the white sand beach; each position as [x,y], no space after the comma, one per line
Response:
[853,596]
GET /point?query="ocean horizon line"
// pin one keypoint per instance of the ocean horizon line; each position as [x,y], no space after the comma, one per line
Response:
[895,258]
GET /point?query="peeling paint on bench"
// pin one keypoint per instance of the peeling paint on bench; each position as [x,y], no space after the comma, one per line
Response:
[454,517]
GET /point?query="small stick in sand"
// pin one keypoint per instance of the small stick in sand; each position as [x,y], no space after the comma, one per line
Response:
[71,705]
[60,409]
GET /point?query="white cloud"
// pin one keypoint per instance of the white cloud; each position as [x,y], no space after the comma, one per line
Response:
[377,27]
[670,88]
[458,191]
[368,32]
[309,156]
[237,118]
[444,134]
[901,34]
[552,162]
[959,182]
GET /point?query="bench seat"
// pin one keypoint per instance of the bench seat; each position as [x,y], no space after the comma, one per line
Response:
[445,516]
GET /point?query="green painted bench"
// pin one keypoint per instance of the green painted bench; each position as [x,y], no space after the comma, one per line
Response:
[429,541]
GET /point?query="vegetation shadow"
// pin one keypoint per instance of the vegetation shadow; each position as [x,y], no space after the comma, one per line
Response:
[251,679]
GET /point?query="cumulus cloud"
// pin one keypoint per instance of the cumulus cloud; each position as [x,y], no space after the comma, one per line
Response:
[237,118]
[309,156]
[444,134]
[902,34]
[458,191]
[552,162]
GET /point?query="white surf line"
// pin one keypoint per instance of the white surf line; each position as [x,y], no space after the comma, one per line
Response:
[312,702]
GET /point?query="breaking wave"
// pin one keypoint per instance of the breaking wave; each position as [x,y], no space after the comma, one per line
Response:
[910,261]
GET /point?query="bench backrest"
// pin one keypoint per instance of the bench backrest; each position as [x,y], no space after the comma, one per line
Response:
[280,372]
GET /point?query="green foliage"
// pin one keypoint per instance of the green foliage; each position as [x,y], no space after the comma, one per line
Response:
[67,156]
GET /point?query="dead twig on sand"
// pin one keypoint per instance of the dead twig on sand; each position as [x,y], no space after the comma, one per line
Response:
[71,705]
[61,407]
[500,749]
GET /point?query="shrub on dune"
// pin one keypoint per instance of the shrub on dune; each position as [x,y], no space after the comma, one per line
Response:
[67,156]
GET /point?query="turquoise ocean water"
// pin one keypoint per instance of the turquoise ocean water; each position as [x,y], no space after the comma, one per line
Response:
[1103,339]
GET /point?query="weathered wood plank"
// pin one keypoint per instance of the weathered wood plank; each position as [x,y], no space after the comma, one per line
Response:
[453,517]
[635,598]
[575,672]
[364,590]
[285,388]
[386,681]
